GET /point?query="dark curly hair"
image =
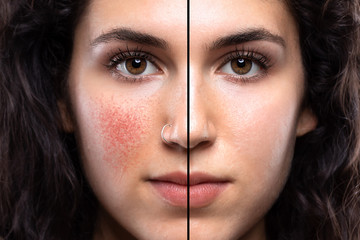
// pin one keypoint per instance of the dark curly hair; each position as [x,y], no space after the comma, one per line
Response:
[43,192]
[322,197]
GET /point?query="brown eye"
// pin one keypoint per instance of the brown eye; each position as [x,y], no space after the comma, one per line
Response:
[241,65]
[135,66]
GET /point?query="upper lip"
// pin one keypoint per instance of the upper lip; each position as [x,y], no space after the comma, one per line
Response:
[181,178]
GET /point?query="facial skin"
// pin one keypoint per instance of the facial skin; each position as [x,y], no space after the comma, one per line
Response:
[242,127]
[251,126]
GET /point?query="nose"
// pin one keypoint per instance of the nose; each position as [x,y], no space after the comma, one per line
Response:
[202,130]
[174,131]
[192,118]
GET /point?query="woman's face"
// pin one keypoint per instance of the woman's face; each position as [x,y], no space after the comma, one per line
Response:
[128,78]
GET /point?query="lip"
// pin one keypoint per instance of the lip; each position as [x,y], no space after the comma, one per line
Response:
[203,188]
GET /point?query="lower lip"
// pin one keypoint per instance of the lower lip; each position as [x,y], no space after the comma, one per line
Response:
[201,195]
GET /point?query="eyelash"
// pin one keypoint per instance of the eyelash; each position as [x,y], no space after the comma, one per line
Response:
[254,56]
[121,55]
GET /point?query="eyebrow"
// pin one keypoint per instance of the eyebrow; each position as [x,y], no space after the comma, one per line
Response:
[125,34]
[247,36]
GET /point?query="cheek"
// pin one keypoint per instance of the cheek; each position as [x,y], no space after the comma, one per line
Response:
[265,137]
[276,128]
[121,130]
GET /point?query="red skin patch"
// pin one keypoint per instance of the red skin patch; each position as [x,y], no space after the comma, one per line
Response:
[121,129]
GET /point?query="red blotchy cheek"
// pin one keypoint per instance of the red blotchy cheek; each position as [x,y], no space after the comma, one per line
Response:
[120,130]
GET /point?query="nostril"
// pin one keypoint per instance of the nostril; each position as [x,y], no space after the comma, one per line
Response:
[176,135]
[202,144]
[196,142]
[202,135]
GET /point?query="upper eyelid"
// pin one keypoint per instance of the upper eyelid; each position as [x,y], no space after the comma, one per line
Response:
[123,55]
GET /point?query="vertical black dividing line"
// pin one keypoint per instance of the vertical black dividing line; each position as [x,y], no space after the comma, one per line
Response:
[188,119]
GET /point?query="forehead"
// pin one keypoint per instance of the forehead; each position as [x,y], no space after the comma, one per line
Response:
[210,18]
[155,16]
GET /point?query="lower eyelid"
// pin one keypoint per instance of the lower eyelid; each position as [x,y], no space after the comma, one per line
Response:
[243,80]
[131,79]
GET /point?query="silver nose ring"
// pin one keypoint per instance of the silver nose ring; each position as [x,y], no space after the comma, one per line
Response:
[162,134]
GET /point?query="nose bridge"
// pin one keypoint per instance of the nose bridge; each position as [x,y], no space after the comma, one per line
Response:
[191,105]
[201,129]
[177,102]
[196,104]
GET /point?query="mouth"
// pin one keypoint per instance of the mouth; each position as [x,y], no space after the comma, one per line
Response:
[203,188]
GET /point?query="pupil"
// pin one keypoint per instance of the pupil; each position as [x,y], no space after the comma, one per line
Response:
[241,63]
[136,63]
